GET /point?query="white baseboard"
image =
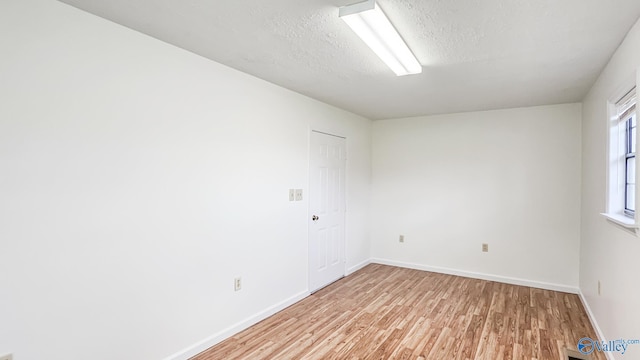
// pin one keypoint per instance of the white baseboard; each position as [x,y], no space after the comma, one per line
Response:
[357,267]
[594,323]
[226,333]
[481,276]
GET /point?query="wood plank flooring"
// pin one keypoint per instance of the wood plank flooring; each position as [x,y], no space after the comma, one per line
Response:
[384,312]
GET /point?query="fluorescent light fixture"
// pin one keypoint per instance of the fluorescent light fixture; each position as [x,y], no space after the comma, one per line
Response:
[368,21]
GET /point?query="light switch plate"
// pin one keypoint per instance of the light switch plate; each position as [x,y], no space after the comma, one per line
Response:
[298,194]
[292,194]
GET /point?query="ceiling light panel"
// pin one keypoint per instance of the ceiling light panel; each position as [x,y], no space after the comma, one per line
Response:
[370,23]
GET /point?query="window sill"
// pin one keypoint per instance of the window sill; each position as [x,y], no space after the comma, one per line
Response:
[624,221]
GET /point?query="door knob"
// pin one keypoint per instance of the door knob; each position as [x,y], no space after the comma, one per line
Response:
[315,217]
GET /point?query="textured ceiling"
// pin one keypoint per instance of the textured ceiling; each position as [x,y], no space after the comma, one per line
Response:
[477,54]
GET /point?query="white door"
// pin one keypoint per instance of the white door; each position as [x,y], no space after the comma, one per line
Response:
[326,210]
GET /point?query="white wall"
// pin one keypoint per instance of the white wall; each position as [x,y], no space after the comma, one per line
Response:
[137,180]
[608,253]
[509,178]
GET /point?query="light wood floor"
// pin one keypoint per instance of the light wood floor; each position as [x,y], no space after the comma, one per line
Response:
[384,312]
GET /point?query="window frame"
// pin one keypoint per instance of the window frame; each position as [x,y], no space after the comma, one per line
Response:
[619,140]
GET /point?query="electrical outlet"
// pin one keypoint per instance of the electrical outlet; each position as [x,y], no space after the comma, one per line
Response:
[6,357]
[292,195]
[401,239]
[599,288]
[298,194]
[237,284]
[485,247]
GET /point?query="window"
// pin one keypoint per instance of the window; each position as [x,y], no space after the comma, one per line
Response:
[621,204]
[630,163]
